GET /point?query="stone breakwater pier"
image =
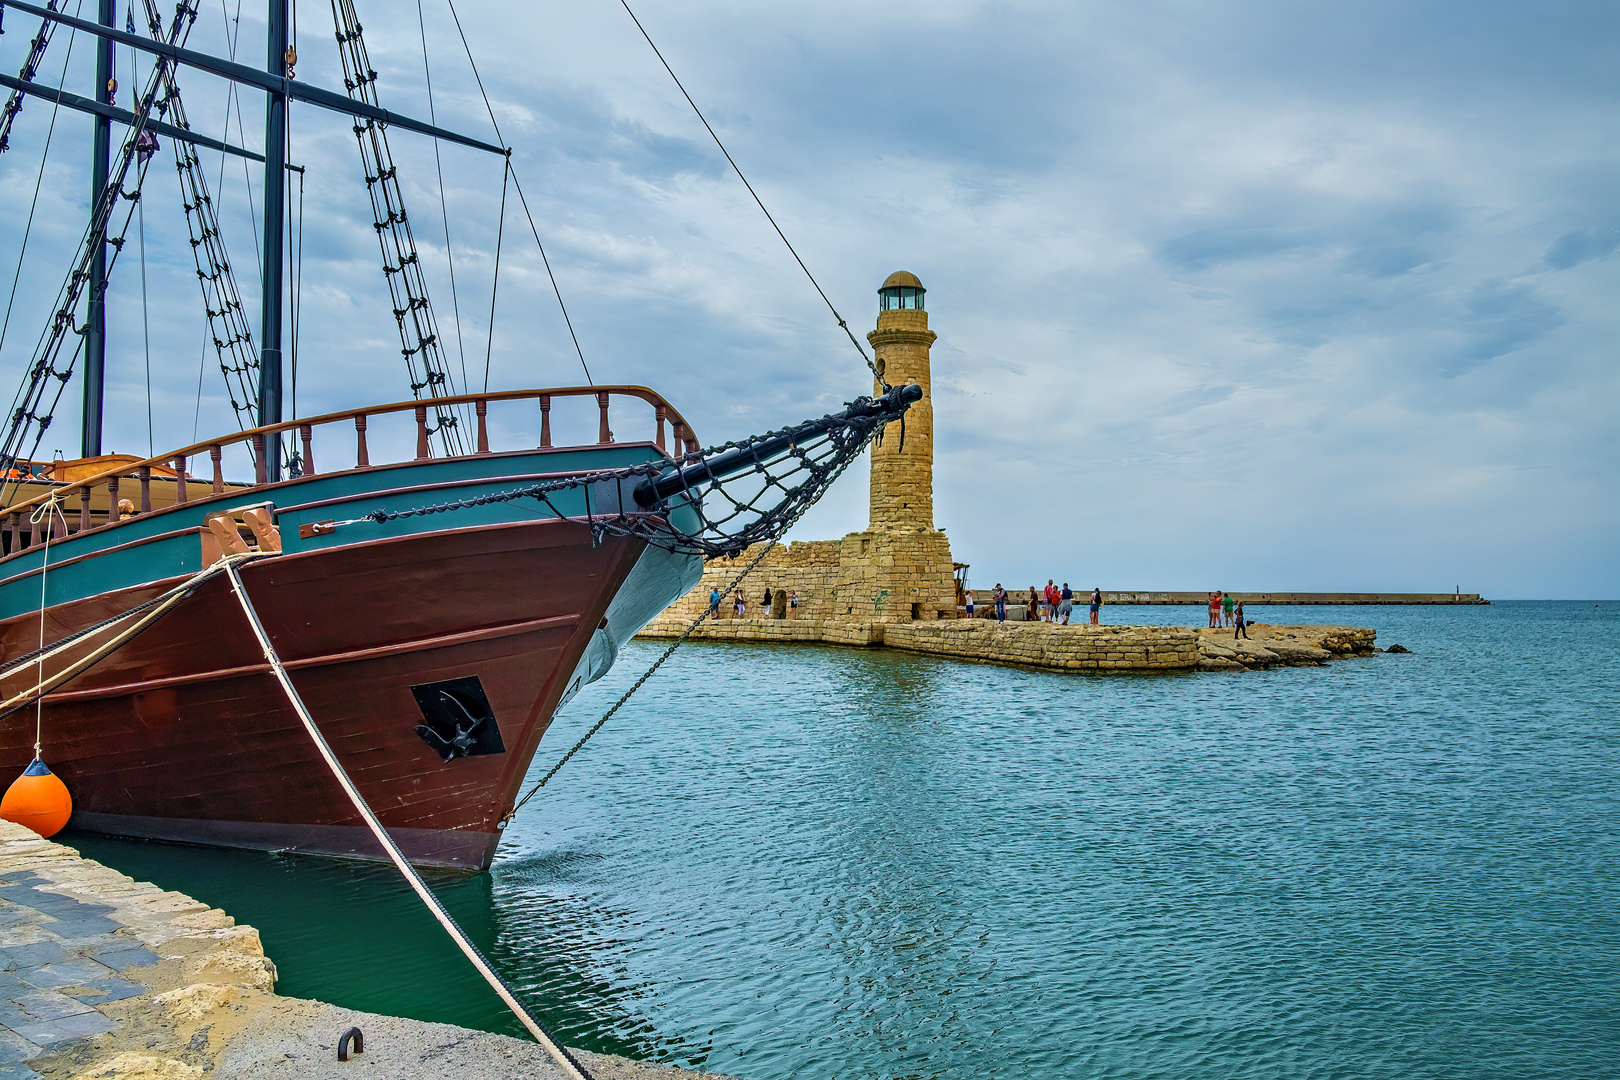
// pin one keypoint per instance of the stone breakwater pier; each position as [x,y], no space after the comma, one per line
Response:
[106,978]
[1051,646]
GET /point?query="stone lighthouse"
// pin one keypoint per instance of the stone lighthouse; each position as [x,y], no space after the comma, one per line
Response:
[899,569]
[903,464]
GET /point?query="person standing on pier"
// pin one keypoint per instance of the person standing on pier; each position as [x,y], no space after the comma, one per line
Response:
[967,597]
[1226,606]
[1096,603]
[1066,603]
[1214,609]
[1239,622]
[793,604]
[999,598]
[740,604]
[714,602]
[1034,604]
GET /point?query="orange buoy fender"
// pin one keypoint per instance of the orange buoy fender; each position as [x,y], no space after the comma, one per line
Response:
[38,800]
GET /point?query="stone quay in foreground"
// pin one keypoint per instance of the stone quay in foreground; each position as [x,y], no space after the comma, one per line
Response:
[106,978]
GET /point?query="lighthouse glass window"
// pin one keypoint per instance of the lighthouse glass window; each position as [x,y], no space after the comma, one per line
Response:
[902,297]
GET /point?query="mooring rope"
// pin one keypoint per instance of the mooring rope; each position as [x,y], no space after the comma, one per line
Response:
[163,605]
[565,1061]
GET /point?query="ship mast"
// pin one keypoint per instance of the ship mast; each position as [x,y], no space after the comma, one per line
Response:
[95,331]
[275,158]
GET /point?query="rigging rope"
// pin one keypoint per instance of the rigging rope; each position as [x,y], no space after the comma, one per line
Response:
[444,208]
[757,200]
[565,1061]
[495,281]
[402,267]
[12,106]
[522,200]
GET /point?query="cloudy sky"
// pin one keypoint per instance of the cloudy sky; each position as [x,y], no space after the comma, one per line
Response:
[1247,295]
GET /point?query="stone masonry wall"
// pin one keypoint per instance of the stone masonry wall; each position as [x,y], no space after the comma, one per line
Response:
[1046,645]
[902,493]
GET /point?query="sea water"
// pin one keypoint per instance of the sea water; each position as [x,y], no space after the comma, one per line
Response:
[819,862]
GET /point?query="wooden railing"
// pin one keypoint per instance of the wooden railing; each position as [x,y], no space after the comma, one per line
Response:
[100,496]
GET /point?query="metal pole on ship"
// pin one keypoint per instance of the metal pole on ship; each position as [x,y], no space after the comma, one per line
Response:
[275,160]
[95,314]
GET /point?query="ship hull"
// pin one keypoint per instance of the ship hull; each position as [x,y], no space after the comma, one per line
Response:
[183,734]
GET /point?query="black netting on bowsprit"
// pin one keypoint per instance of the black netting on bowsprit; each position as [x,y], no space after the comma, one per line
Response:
[741,493]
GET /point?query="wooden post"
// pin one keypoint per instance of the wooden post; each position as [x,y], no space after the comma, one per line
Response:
[691,444]
[214,452]
[482,408]
[545,421]
[261,470]
[182,490]
[423,453]
[362,458]
[680,438]
[28,532]
[84,508]
[308,436]
[14,532]
[661,410]
[112,500]
[145,473]
[603,434]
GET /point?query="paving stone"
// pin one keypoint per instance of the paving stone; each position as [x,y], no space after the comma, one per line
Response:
[51,1032]
[74,971]
[104,990]
[33,955]
[126,956]
[74,926]
[49,1005]
[14,1048]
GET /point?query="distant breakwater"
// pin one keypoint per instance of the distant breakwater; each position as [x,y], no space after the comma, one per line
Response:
[1307,598]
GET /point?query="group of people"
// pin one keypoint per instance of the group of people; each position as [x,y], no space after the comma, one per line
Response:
[739,603]
[1053,604]
[1226,610]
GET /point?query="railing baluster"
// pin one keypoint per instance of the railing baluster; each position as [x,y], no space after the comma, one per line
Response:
[261,468]
[423,452]
[604,434]
[182,490]
[145,473]
[482,408]
[14,532]
[545,421]
[661,410]
[112,500]
[362,457]
[307,434]
[215,452]
[680,438]
[691,444]
[28,532]
[84,508]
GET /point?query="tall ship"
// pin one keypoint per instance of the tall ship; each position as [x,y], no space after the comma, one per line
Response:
[438,575]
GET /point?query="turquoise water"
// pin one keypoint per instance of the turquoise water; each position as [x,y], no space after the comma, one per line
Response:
[817,862]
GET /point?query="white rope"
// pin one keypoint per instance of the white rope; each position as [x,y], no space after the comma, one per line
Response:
[45,685]
[46,511]
[565,1061]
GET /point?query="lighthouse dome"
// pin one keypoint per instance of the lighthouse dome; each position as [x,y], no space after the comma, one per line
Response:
[901,290]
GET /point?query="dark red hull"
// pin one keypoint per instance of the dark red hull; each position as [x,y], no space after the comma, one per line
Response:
[183,734]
